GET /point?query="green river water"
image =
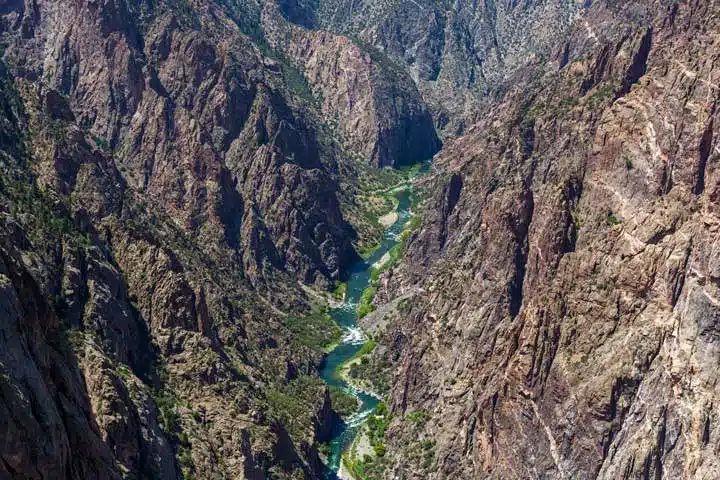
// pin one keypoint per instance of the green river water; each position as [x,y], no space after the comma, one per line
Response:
[354,339]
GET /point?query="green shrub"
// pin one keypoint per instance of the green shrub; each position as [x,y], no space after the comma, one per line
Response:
[323,448]
[419,417]
[340,291]
[186,463]
[612,219]
[380,449]
[123,371]
[628,162]
[600,95]
[101,143]
[366,252]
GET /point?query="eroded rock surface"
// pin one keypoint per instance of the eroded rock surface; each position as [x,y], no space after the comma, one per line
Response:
[163,191]
[563,306]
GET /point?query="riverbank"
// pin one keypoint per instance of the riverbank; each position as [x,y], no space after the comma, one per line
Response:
[354,350]
[388,219]
[358,363]
[354,345]
[359,448]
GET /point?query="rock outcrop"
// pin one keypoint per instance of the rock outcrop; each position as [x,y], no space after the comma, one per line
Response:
[194,123]
[170,173]
[561,319]
[374,104]
[462,55]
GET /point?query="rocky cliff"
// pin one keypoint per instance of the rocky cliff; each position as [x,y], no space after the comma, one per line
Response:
[164,190]
[128,352]
[202,128]
[461,55]
[560,298]
[373,104]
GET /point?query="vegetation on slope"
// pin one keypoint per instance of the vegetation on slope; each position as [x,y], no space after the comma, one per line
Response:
[372,465]
[365,304]
[317,330]
[290,403]
[343,403]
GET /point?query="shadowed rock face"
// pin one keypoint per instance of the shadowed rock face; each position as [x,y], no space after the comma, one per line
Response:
[193,122]
[563,311]
[374,104]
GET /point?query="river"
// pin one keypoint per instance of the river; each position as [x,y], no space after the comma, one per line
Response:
[354,339]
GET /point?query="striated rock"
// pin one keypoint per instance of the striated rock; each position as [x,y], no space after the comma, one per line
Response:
[188,118]
[375,105]
[561,309]
[127,419]
[160,199]
[46,410]
[170,171]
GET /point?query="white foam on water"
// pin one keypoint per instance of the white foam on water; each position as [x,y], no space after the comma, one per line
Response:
[359,418]
[348,307]
[353,336]
[351,389]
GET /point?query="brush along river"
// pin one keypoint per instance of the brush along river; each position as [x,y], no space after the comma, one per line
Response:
[354,339]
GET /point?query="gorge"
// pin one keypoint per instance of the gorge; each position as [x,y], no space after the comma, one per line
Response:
[208,271]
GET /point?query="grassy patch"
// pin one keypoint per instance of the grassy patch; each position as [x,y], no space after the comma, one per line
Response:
[340,291]
[367,251]
[365,305]
[367,197]
[366,349]
[378,424]
[359,369]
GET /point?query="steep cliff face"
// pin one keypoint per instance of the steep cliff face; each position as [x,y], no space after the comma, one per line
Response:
[129,353]
[559,312]
[194,122]
[170,171]
[373,103]
[462,55]
[66,413]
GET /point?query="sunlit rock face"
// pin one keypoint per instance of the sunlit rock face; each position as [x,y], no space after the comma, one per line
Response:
[562,314]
